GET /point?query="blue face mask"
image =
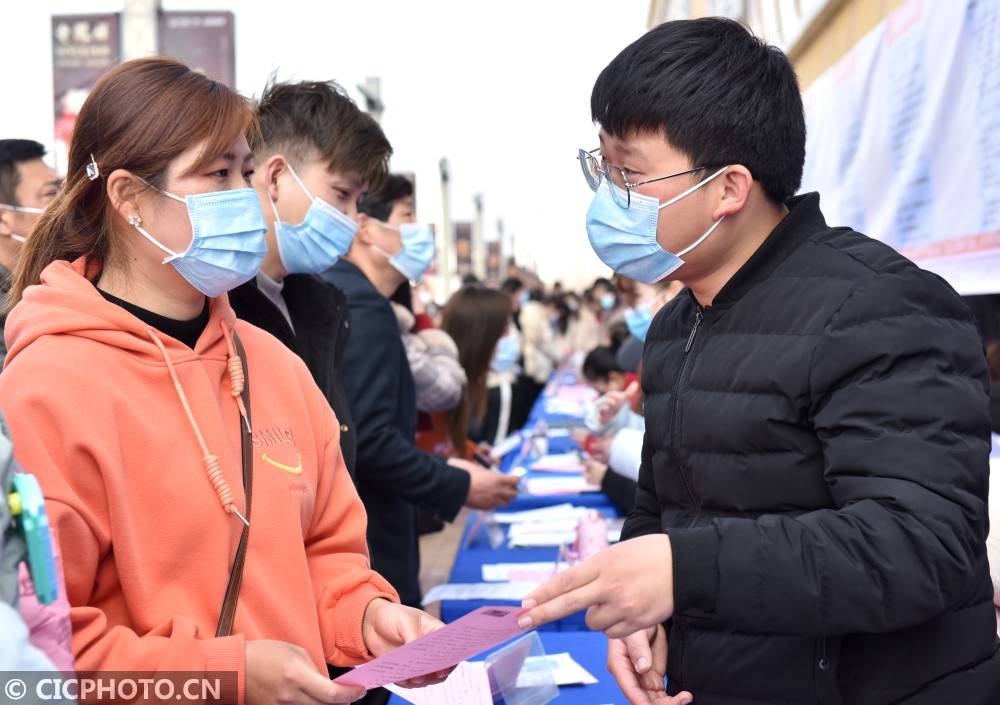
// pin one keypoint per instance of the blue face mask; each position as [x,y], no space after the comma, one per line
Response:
[638,320]
[227,239]
[524,298]
[507,352]
[625,238]
[608,302]
[315,244]
[417,253]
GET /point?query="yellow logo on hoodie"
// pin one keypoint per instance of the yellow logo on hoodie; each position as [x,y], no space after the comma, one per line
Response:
[293,469]
[275,439]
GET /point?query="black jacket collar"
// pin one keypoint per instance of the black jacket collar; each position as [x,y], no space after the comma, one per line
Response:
[804,220]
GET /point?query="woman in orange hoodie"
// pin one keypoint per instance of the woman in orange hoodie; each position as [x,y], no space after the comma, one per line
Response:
[145,408]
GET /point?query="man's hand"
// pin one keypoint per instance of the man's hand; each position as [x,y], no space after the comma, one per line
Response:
[279,672]
[638,663]
[488,489]
[387,626]
[619,600]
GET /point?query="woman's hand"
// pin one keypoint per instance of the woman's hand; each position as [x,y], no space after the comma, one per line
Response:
[387,626]
[279,672]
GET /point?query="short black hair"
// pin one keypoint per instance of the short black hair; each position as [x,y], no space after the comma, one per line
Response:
[511,285]
[12,154]
[599,363]
[379,202]
[716,92]
[313,119]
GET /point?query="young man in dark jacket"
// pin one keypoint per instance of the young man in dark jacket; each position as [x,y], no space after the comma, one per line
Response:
[393,475]
[811,516]
[320,153]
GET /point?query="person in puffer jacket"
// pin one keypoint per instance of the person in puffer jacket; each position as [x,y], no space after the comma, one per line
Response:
[811,518]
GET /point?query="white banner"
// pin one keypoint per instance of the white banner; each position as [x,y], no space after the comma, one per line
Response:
[903,138]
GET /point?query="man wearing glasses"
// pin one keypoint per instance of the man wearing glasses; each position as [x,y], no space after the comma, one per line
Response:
[811,516]
[27,186]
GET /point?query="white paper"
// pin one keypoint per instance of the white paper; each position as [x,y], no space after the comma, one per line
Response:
[558,511]
[509,445]
[468,684]
[517,572]
[565,671]
[543,527]
[559,485]
[478,591]
[551,534]
[558,462]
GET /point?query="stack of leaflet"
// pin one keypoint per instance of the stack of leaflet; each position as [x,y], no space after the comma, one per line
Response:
[569,401]
[555,533]
[549,526]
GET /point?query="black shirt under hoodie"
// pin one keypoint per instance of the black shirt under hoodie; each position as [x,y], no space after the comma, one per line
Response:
[187,332]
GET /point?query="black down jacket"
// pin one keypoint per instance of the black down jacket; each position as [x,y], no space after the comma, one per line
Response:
[817,447]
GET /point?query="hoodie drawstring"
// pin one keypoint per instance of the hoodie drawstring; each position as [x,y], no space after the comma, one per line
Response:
[212,465]
[236,379]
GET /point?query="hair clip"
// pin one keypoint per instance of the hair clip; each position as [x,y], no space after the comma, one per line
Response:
[92,172]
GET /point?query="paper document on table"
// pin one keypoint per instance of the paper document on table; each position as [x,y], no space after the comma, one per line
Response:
[478,591]
[543,534]
[558,462]
[558,511]
[508,445]
[472,634]
[468,684]
[518,572]
[565,671]
[565,407]
[559,485]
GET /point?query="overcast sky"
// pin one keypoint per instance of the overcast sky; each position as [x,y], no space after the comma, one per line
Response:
[500,88]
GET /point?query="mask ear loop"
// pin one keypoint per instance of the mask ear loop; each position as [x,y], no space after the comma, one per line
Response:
[692,189]
[299,182]
[23,209]
[714,225]
[136,222]
[702,238]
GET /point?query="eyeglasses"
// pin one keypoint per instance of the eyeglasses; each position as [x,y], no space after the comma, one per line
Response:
[621,188]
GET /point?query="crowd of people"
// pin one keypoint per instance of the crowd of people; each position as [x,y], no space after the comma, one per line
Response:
[244,409]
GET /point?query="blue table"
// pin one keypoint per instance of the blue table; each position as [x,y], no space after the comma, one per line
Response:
[590,651]
[569,634]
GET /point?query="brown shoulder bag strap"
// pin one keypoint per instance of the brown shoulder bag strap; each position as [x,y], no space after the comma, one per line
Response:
[225,627]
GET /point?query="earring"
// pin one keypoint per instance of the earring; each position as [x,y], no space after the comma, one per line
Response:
[134,220]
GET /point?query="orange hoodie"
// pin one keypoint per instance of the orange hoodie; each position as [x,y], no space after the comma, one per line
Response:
[94,413]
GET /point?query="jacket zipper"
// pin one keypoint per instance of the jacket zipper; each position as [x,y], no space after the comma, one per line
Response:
[675,416]
[824,662]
